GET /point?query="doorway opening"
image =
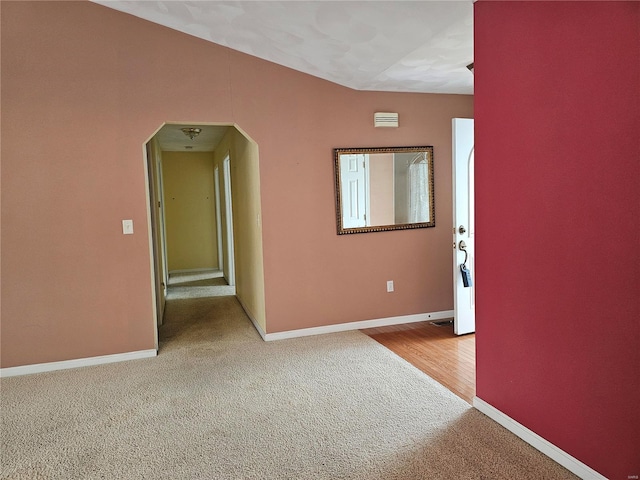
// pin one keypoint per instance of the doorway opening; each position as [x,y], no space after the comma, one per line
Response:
[203,240]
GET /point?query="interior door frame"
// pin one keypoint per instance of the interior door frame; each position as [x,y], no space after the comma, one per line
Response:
[216,185]
[163,227]
[463,150]
[230,271]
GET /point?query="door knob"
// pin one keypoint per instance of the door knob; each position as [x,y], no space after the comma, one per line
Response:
[461,229]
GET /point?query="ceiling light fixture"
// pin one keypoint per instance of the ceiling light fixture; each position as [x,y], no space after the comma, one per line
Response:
[191,132]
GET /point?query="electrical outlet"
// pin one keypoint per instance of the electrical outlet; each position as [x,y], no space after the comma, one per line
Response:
[389,285]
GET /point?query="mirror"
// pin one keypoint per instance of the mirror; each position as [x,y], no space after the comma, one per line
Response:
[380,189]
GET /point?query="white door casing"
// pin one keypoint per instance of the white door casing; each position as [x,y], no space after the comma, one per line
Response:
[230,274]
[163,229]
[216,181]
[463,216]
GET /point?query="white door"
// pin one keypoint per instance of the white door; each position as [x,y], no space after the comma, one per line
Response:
[230,272]
[353,190]
[463,225]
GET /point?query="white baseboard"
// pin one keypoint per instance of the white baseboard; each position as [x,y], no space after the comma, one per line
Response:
[193,270]
[343,327]
[79,362]
[536,441]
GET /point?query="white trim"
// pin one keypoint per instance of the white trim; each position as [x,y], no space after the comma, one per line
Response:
[367,191]
[342,327]
[193,270]
[229,271]
[79,362]
[163,220]
[253,320]
[536,441]
[216,186]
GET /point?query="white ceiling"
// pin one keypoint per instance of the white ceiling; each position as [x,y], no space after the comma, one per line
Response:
[172,139]
[403,46]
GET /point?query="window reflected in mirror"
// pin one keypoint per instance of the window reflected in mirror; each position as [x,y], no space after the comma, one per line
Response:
[380,189]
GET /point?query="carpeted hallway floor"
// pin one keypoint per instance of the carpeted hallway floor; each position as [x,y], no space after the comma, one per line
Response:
[220,403]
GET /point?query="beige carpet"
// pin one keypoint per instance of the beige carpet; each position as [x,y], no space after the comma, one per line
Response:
[208,283]
[219,403]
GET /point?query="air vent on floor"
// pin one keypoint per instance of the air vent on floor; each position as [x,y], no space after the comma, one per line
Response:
[385,119]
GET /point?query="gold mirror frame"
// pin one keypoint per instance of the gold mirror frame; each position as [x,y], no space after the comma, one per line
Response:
[426,151]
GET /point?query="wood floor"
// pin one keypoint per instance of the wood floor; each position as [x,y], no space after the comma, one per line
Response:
[436,350]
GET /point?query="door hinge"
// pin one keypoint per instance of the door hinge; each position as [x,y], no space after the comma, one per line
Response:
[159,204]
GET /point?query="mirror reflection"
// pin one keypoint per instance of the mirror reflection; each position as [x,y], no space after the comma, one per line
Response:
[379,189]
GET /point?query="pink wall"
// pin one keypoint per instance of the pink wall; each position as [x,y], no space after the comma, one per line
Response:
[83,87]
[557,182]
[381,201]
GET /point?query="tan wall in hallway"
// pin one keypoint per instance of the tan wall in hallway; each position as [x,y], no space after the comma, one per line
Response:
[190,213]
[245,191]
[74,286]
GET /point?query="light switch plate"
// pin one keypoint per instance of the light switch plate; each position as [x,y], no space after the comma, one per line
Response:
[127,227]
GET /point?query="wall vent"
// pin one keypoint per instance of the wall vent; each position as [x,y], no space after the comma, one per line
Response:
[385,119]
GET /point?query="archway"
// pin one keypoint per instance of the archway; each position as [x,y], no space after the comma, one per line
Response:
[219,141]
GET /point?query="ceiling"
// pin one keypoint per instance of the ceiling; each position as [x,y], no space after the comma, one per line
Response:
[399,46]
[171,138]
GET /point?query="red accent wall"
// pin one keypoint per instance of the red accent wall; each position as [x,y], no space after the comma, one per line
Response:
[557,109]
